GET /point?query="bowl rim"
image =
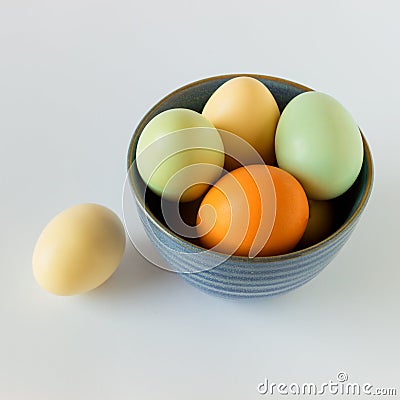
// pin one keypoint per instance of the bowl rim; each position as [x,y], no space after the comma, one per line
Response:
[194,247]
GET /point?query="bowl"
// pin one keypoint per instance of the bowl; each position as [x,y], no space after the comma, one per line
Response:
[235,276]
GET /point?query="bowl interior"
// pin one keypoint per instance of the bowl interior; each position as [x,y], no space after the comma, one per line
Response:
[194,96]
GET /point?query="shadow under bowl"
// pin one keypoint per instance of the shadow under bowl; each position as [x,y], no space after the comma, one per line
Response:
[234,276]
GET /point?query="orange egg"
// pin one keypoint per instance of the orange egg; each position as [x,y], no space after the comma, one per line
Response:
[253,210]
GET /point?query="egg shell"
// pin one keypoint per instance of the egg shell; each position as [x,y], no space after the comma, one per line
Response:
[256,205]
[318,142]
[179,153]
[78,250]
[245,107]
[320,224]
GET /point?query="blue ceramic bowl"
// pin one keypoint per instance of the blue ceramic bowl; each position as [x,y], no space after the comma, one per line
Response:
[241,277]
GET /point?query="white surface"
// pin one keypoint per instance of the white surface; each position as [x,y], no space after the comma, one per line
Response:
[75,78]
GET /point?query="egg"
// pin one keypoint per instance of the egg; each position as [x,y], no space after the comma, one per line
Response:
[78,250]
[245,107]
[179,153]
[254,210]
[320,223]
[318,142]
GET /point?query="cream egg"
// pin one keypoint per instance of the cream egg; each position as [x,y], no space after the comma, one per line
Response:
[78,250]
[245,107]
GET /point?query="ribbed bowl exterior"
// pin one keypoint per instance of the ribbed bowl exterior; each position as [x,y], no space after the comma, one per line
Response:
[236,278]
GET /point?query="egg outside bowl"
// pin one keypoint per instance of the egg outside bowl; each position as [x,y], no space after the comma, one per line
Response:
[242,277]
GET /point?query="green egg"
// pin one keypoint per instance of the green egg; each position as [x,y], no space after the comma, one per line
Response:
[318,142]
[179,153]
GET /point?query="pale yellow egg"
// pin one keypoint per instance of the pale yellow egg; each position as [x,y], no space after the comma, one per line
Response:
[78,250]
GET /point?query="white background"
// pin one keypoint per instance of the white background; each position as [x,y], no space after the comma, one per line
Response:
[75,79]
